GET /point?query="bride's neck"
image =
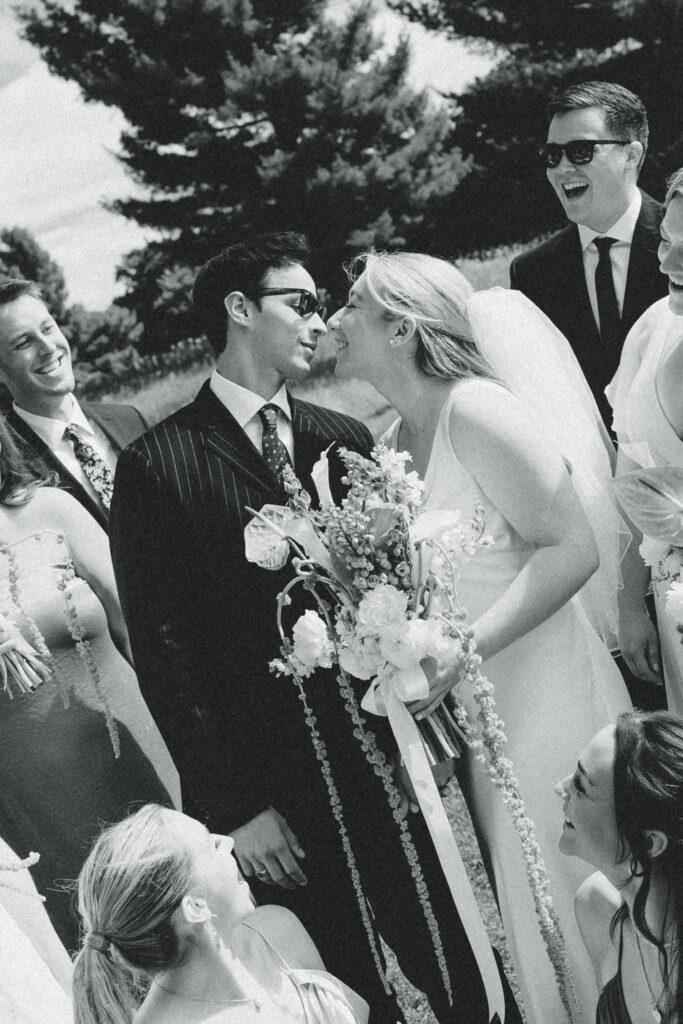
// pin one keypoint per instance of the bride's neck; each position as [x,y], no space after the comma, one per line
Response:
[657,907]
[418,400]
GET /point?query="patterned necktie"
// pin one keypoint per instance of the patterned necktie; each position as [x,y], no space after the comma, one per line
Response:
[274,450]
[94,466]
[608,307]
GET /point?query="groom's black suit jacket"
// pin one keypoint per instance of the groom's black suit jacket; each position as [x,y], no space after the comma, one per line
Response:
[552,276]
[121,424]
[202,620]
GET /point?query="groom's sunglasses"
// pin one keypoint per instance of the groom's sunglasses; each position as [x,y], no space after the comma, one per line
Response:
[307,303]
[579,151]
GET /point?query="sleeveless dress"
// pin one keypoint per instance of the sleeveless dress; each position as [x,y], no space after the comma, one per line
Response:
[555,688]
[648,439]
[60,780]
[612,1007]
[301,996]
[31,956]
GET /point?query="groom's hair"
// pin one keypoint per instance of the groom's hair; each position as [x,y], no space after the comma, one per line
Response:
[625,115]
[13,288]
[241,267]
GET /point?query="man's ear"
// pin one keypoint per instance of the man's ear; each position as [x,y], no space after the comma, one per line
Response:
[657,842]
[194,909]
[237,307]
[634,153]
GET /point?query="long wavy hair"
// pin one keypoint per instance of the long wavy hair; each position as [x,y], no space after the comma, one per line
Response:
[674,186]
[21,471]
[432,294]
[648,796]
[129,887]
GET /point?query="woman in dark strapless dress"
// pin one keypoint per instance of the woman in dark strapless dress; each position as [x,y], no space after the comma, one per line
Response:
[623,814]
[81,749]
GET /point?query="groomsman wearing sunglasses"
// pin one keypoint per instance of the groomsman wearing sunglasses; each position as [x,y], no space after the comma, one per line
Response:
[599,274]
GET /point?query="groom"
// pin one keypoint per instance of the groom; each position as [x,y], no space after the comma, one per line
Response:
[202,621]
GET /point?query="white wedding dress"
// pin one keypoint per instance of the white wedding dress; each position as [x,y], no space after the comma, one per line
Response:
[555,687]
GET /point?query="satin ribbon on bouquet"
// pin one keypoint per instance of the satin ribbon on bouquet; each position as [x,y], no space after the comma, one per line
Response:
[388,697]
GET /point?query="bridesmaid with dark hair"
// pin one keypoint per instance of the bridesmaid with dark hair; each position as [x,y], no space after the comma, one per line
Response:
[79,748]
[623,811]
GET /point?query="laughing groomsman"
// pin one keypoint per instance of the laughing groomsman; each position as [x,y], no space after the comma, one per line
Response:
[79,441]
[595,277]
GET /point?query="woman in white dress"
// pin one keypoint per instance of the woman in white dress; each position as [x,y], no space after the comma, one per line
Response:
[407,330]
[166,910]
[35,970]
[647,398]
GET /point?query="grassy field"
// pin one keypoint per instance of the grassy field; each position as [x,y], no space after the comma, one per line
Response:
[359,399]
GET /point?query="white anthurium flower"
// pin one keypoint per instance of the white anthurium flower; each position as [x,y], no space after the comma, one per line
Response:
[432,523]
[674,602]
[320,475]
[303,532]
[265,537]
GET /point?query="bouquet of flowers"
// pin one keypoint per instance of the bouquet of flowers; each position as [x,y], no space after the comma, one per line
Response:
[653,499]
[19,662]
[383,572]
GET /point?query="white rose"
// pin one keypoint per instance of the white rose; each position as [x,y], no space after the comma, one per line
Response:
[381,608]
[403,645]
[361,659]
[312,645]
[674,602]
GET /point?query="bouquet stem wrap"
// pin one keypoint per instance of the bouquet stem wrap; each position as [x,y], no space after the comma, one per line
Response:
[412,750]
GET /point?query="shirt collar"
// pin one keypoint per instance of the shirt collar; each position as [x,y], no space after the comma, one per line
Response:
[51,431]
[622,230]
[245,404]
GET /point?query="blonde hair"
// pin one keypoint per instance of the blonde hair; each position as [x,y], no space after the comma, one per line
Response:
[129,887]
[432,294]
[674,187]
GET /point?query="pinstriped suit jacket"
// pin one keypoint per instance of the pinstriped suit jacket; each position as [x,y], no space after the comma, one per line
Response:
[201,618]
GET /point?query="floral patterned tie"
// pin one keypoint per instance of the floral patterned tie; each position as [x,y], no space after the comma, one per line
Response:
[94,466]
[274,451]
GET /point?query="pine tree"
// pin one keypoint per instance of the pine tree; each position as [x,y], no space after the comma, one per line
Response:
[22,257]
[253,115]
[545,45]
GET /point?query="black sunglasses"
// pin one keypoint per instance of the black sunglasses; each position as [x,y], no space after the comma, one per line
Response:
[307,303]
[579,151]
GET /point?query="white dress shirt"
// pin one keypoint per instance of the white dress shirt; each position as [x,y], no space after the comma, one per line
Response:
[619,253]
[52,433]
[244,406]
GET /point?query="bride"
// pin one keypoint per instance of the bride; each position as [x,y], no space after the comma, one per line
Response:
[478,432]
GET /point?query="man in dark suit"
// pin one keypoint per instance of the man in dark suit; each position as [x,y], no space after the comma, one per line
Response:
[595,277]
[79,441]
[202,621]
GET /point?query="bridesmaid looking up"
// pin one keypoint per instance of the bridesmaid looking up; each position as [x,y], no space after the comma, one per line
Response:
[82,747]
[622,809]
[407,330]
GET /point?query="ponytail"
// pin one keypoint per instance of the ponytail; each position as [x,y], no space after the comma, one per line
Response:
[128,890]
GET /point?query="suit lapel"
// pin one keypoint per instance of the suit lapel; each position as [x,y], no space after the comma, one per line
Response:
[643,267]
[223,436]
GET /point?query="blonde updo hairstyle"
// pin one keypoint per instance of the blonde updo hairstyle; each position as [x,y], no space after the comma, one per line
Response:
[674,187]
[432,294]
[134,879]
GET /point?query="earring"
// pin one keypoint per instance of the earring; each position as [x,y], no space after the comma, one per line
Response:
[393,341]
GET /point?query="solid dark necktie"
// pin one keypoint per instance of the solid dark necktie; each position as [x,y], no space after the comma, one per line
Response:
[608,306]
[274,451]
[94,466]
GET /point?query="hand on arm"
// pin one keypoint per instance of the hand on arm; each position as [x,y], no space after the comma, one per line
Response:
[637,635]
[267,843]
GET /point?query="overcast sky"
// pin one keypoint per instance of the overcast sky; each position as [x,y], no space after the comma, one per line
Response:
[58,159]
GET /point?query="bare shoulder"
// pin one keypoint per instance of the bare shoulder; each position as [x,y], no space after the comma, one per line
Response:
[285,932]
[485,413]
[595,904]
